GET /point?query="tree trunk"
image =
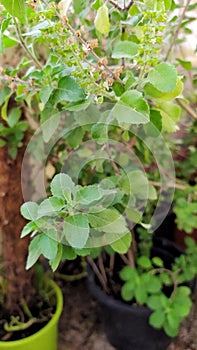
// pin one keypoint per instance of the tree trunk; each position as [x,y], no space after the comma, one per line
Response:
[14,249]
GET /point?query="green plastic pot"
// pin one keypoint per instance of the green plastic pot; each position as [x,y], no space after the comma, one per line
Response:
[45,338]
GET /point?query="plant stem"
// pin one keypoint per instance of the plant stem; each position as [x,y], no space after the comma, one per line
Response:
[24,46]
[125,8]
[177,29]
[98,274]
[71,278]
[187,108]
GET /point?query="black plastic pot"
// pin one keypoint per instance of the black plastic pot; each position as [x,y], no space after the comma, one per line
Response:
[127,326]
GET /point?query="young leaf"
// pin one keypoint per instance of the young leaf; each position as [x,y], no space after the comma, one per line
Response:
[122,245]
[76,230]
[125,49]
[62,186]
[163,77]
[101,21]
[17,8]
[50,206]
[132,108]
[28,228]
[29,210]
[54,263]
[68,91]
[34,252]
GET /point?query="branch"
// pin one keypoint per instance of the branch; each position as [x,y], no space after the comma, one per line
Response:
[24,46]
[177,29]
[77,35]
[125,8]
[187,108]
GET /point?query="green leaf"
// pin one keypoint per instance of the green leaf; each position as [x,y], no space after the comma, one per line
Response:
[140,294]
[155,285]
[163,77]
[62,186]
[154,302]
[96,4]
[2,143]
[144,262]
[101,21]
[54,263]
[68,91]
[50,118]
[29,210]
[108,220]
[28,228]
[74,138]
[48,247]
[76,230]
[17,8]
[14,117]
[68,253]
[157,261]
[127,290]
[122,245]
[168,4]
[170,113]
[132,108]
[128,273]
[164,96]
[134,20]
[9,42]
[157,319]
[34,252]
[125,49]
[171,331]
[88,195]
[50,206]
[185,64]
[45,93]
[133,215]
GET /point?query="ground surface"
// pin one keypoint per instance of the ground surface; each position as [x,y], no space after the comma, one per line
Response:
[81,327]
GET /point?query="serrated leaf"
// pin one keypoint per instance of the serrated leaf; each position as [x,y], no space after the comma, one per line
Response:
[128,273]
[88,195]
[154,302]
[68,91]
[17,8]
[125,49]
[62,186]
[108,220]
[157,319]
[29,210]
[132,108]
[101,21]
[140,294]
[163,77]
[76,230]
[122,245]
[50,206]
